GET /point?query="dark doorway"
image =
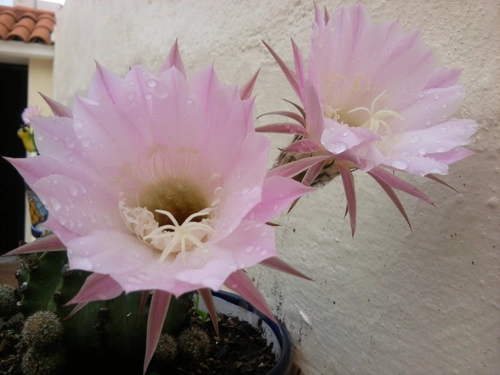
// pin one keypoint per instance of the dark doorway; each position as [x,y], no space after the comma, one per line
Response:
[13,100]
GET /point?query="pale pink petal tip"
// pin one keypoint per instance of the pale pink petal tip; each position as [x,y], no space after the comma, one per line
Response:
[57,109]
[174,60]
[243,285]
[48,243]
[206,295]
[157,313]
[97,287]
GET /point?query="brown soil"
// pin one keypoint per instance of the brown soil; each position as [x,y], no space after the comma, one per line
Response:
[239,350]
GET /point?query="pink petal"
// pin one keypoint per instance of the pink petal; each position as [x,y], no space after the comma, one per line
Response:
[291,115]
[97,287]
[105,86]
[304,146]
[247,88]
[397,183]
[174,60]
[314,113]
[277,264]
[290,76]
[42,244]
[443,77]
[157,313]
[206,295]
[299,66]
[283,128]
[392,195]
[294,168]
[57,109]
[350,193]
[337,138]
[277,193]
[242,284]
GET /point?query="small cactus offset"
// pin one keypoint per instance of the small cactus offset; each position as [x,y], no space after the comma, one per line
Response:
[8,301]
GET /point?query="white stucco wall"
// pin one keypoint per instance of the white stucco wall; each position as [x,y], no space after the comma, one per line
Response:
[390,300]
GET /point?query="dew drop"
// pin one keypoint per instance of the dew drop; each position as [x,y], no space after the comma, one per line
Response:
[101,296]
[441,149]
[444,105]
[69,141]
[56,205]
[131,96]
[338,147]
[436,96]
[131,83]
[399,164]
[39,137]
[249,249]
[436,170]
[415,139]
[86,142]
[148,96]
[73,190]
[422,151]
[345,134]
[263,252]
[151,82]
[71,158]
[189,101]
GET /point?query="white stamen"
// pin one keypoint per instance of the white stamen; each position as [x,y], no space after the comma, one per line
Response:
[375,120]
[169,238]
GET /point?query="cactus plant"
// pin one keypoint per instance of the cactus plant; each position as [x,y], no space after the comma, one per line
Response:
[111,331]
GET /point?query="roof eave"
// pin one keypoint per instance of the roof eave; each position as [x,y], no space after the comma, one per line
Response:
[16,52]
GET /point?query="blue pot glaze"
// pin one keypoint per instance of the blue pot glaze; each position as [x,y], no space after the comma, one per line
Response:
[284,359]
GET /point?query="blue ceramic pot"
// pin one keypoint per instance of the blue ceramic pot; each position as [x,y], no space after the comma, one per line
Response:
[233,305]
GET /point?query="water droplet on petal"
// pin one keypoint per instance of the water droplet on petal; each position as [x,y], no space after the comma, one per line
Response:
[436,170]
[151,82]
[56,205]
[73,190]
[148,96]
[422,151]
[436,96]
[444,105]
[69,141]
[441,149]
[338,147]
[345,134]
[39,137]
[249,249]
[415,139]
[189,101]
[428,122]
[399,164]
[85,142]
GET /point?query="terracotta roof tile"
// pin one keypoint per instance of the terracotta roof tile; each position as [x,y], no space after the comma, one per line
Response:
[26,24]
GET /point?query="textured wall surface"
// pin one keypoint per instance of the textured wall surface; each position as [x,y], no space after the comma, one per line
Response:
[390,300]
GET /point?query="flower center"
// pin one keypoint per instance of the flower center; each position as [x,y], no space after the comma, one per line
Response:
[357,117]
[171,216]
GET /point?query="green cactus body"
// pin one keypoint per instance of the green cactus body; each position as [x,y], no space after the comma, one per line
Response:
[107,331]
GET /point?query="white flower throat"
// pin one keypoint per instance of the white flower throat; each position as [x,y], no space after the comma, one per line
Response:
[376,122]
[172,216]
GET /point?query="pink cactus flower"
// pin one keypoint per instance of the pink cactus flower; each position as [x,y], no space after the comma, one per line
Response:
[375,100]
[159,183]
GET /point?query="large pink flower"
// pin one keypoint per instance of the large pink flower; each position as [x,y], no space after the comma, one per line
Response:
[374,100]
[158,183]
